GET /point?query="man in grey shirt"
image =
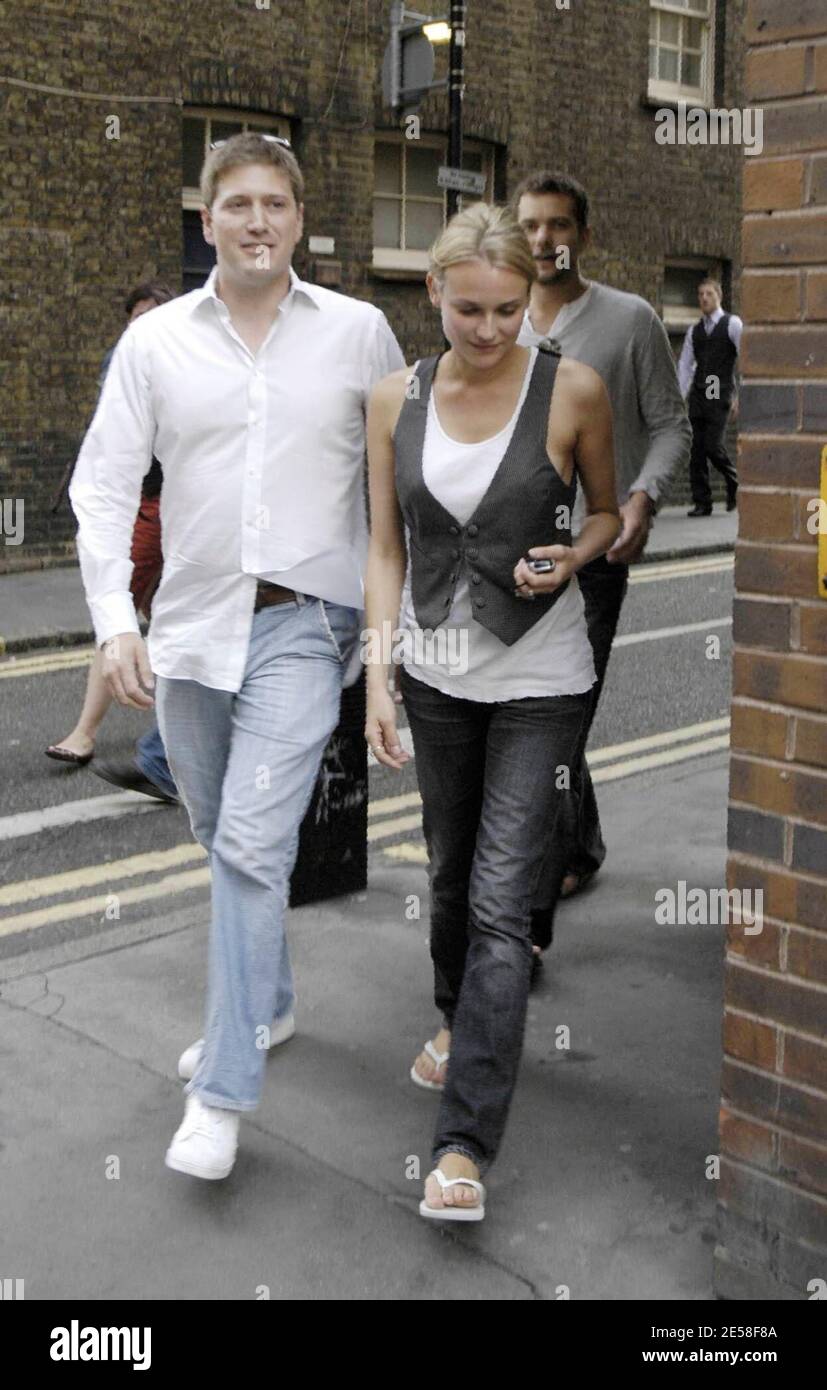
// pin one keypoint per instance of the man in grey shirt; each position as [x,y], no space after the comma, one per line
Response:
[623,339]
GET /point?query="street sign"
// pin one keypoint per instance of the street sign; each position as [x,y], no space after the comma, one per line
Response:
[463,180]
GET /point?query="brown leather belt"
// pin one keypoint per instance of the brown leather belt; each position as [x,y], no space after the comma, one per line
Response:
[268,594]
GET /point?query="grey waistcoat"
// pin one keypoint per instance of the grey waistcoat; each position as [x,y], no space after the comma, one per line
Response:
[527,504]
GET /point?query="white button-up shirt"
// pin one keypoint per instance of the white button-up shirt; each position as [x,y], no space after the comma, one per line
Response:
[263,460]
[686,361]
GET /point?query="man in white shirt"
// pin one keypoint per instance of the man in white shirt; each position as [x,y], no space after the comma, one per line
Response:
[706,372]
[251,393]
[623,339]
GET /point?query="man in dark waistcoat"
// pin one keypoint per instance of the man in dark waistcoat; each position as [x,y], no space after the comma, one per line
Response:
[707,377]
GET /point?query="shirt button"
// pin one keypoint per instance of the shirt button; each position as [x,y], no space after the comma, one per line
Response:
[473,530]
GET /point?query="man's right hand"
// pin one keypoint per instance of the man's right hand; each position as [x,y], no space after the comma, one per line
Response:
[126,670]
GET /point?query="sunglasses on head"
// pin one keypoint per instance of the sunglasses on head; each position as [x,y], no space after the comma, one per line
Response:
[273,139]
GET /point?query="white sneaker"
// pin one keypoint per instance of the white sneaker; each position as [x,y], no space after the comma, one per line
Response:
[205,1144]
[280,1031]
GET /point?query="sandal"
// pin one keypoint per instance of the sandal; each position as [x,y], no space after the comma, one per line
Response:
[438,1058]
[475,1213]
[65,755]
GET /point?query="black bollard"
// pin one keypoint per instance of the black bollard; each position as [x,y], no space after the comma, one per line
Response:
[333,841]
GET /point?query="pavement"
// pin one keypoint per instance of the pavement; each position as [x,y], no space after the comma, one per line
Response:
[599,1192]
[46,607]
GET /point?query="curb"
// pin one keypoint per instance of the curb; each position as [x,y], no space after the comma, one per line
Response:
[651,557]
[11,646]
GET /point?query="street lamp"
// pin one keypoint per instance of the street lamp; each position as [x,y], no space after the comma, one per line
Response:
[408,67]
[438,31]
[408,73]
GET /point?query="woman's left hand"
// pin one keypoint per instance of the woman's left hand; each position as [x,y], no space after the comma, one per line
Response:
[529,584]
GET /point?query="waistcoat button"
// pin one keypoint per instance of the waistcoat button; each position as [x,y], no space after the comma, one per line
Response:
[479,602]
[475,579]
[472,554]
[454,554]
[453,530]
[473,530]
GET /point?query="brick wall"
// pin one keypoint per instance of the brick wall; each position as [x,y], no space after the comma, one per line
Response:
[773,1208]
[82,218]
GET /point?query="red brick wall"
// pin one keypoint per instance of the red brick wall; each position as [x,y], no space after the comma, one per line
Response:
[84,217]
[773,1189]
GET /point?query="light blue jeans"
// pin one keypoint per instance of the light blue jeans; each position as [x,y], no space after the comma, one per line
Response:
[245,765]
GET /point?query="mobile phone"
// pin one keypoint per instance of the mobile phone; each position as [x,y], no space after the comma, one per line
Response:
[540,566]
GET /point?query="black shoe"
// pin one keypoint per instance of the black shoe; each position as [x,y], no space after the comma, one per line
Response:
[130,777]
[697,510]
[731,502]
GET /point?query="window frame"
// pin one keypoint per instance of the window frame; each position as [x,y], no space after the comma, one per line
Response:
[704,95]
[399,262]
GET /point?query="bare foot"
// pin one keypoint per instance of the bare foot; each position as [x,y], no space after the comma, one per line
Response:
[453,1166]
[425,1066]
[76,743]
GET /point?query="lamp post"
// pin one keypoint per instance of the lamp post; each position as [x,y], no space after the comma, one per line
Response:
[408,71]
[456,88]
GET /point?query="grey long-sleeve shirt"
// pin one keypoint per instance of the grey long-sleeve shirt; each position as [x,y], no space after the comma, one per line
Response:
[622,338]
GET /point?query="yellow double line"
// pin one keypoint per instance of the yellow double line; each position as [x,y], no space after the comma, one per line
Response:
[105,904]
[170,877]
[48,661]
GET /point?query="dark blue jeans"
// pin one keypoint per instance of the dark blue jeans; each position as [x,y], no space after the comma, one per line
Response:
[576,845]
[487,774]
[151,757]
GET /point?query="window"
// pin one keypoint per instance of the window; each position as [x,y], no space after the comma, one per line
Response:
[409,207]
[681,52]
[201,128]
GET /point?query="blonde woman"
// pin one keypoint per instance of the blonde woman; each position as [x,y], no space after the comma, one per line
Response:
[474,461]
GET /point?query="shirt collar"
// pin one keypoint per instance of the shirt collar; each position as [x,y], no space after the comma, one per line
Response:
[714,317]
[208,291]
[564,314]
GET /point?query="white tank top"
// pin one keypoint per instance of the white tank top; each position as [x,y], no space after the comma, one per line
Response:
[553,658]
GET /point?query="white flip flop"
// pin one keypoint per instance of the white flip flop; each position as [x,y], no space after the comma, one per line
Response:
[454,1213]
[438,1058]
